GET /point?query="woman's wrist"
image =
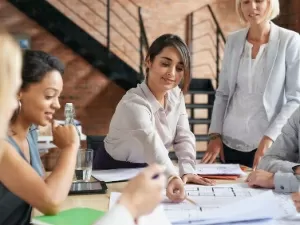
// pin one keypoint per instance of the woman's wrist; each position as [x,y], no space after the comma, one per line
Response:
[128,203]
[213,136]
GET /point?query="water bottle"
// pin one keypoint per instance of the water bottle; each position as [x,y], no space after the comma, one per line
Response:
[70,116]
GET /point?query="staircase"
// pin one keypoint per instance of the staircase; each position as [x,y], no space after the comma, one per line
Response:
[204,34]
[102,56]
[85,45]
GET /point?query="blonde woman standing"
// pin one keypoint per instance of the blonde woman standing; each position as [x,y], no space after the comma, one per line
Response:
[259,86]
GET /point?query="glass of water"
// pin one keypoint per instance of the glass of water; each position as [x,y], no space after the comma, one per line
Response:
[84,163]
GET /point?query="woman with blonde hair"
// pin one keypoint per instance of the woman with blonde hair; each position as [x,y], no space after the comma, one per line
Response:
[259,86]
[22,184]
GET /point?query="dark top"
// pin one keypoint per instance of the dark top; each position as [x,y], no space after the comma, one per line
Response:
[13,210]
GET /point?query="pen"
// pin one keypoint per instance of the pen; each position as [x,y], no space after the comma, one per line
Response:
[190,200]
[155,176]
[186,198]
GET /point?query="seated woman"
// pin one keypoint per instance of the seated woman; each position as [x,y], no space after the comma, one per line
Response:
[21,184]
[37,102]
[151,118]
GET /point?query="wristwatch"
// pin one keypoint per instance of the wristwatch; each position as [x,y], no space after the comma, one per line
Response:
[214,136]
[296,169]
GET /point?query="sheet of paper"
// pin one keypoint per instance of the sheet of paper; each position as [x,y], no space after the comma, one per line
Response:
[261,207]
[116,174]
[157,217]
[219,169]
[256,222]
[209,199]
[284,199]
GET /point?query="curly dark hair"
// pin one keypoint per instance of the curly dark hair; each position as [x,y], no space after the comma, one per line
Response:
[36,64]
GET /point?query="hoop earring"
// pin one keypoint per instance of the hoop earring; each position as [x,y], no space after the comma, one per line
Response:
[19,107]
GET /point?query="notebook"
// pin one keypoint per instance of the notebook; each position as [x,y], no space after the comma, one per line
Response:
[75,216]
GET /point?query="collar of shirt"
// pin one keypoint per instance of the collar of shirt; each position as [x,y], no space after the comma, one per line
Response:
[171,97]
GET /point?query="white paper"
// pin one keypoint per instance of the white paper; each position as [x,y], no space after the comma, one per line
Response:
[207,198]
[219,169]
[210,199]
[116,174]
[260,207]
[157,217]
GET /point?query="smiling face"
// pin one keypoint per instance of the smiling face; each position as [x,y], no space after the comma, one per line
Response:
[40,100]
[166,70]
[255,11]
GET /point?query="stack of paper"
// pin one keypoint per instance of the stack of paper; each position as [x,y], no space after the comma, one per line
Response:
[229,204]
[220,171]
[116,175]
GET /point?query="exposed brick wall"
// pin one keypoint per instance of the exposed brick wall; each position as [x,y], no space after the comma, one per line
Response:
[91,16]
[93,94]
[290,15]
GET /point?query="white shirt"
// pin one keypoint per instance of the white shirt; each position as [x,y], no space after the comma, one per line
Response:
[116,216]
[246,120]
[142,131]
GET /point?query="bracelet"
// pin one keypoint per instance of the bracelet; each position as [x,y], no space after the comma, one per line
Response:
[214,136]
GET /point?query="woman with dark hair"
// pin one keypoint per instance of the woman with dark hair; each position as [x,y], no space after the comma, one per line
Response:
[37,102]
[21,181]
[151,118]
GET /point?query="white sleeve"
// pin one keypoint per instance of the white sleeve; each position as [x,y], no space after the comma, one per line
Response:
[139,124]
[118,215]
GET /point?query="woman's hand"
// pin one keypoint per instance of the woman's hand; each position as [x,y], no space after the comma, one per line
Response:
[196,179]
[214,148]
[65,136]
[175,190]
[264,144]
[143,193]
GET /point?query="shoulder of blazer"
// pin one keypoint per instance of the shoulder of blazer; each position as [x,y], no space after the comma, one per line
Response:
[236,34]
[286,34]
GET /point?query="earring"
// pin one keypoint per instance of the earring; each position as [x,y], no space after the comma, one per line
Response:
[19,107]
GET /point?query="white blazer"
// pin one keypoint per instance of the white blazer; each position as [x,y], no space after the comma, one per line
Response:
[282,94]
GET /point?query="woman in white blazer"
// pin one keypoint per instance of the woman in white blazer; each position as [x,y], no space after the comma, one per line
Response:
[140,197]
[259,86]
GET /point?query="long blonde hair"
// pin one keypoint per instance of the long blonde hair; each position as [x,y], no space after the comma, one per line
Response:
[10,78]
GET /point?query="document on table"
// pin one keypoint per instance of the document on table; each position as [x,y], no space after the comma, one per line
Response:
[207,198]
[219,169]
[157,217]
[114,175]
[220,200]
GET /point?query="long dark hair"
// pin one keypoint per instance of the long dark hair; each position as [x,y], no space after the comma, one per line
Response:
[171,40]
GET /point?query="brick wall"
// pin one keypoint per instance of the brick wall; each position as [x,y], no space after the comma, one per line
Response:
[94,96]
[290,15]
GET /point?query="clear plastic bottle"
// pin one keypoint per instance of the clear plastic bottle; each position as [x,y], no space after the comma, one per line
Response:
[70,116]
